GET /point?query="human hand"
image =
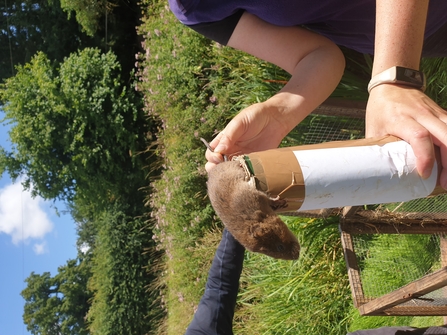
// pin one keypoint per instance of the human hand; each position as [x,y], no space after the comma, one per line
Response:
[412,116]
[255,128]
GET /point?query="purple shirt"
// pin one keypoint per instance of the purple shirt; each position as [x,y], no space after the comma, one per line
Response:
[345,22]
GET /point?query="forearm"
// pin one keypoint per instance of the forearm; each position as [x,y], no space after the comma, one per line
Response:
[401,110]
[315,63]
[313,80]
[400,26]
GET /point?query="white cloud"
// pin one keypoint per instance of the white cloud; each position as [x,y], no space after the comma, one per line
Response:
[21,215]
[40,248]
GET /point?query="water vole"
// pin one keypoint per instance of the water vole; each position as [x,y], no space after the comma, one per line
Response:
[247,213]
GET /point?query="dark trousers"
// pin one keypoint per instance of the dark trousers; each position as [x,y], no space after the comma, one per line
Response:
[214,316]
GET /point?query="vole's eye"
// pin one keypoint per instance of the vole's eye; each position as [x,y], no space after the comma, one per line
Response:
[280,247]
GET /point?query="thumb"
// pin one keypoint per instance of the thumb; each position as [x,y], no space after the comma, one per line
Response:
[223,145]
[224,142]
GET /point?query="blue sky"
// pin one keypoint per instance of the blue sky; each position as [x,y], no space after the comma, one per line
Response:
[32,238]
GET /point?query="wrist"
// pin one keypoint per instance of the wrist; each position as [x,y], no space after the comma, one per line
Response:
[289,109]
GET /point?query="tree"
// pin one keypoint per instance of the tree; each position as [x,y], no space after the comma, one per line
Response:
[76,129]
[29,26]
[88,13]
[58,305]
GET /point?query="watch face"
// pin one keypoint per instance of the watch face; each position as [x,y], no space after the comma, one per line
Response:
[409,76]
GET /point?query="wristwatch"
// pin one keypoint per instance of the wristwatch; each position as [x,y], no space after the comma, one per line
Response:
[399,75]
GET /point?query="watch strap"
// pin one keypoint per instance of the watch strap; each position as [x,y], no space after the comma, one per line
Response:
[399,75]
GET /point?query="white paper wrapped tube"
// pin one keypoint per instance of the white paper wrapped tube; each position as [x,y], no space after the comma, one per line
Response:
[338,177]
[338,174]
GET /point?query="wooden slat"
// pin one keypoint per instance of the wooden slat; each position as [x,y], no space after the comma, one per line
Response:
[342,107]
[403,217]
[349,211]
[412,311]
[443,249]
[353,270]
[358,228]
[408,292]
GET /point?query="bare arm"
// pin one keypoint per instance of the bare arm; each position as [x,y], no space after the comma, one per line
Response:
[400,110]
[400,26]
[316,65]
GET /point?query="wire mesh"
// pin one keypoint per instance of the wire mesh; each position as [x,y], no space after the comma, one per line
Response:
[432,207]
[388,262]
[317,128]
[382,263]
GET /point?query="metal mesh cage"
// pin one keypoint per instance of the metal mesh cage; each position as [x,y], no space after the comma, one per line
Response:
[396,268]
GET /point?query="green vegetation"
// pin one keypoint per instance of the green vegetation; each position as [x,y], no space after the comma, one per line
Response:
[61,118]
[124,152]
[121,302]
[58,305]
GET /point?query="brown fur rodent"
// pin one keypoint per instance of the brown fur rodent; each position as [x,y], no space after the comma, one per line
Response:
[247,213]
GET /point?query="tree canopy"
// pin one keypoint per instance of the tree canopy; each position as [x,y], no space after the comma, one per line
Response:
[88,13]
[58,305]
[76,128]
[30,26]
[36,25]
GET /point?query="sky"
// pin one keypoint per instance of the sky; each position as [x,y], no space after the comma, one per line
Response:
[32,238]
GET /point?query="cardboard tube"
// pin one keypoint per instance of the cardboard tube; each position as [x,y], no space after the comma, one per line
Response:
[342,173]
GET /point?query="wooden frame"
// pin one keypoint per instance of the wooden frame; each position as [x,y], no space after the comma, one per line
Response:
[407,300]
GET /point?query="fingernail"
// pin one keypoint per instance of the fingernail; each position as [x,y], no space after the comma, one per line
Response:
[219,149]
[443,181]
[426,174]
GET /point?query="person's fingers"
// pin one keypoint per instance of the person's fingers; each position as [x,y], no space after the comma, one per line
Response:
[443,175]
[224,145]
[234,131]
[441,143]
[216,140]
[214,157]
[422,145]
[413,117]
[434,119]
[209,166]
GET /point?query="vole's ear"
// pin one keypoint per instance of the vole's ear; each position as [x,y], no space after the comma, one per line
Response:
[259,216]
[256,230]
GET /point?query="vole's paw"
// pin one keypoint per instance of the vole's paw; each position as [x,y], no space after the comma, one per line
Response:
[277,203]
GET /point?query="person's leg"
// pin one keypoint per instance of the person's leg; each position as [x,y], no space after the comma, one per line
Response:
[214,315]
